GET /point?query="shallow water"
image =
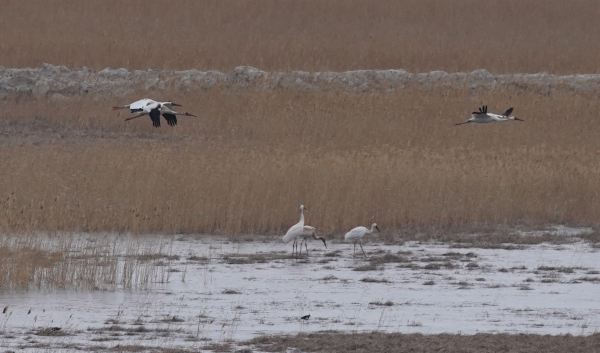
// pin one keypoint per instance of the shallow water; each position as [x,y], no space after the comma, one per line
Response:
[545,289]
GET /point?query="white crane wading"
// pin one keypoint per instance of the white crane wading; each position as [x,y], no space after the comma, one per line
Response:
[295,231]
[357,234]
[309,232]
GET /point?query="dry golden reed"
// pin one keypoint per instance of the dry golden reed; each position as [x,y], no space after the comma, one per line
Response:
[252,157]
[336,35]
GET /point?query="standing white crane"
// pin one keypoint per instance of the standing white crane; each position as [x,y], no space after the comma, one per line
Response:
[309,232]
[357,234]
[482,116]
[295,231]
[154,110]
[138,106]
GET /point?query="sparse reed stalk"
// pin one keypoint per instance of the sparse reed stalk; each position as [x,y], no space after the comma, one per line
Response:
[65,261]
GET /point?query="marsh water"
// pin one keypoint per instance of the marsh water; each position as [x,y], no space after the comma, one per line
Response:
[214,290]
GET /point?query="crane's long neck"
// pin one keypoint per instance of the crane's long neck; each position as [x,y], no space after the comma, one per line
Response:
[301,217]
[316,237]
[371,230]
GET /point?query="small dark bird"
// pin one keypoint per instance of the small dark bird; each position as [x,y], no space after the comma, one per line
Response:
[55,328]
[5,308]
[29,312]
[305,317]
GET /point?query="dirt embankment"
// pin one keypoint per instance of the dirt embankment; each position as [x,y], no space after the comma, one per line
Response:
[56,81]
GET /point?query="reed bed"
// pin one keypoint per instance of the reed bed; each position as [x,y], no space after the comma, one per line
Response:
[150,187]
[69,261]
[252,157]
[502,36]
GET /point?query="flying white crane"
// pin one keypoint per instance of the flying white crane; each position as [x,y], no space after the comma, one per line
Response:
[154,110]
[309,232]
[138,106]
[295,231]
[357,234]
[482,116]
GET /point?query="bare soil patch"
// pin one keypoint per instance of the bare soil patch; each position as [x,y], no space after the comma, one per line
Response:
[398,342]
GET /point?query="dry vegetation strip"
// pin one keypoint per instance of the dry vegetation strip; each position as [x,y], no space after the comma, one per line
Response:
[74,262]
[398,342]
[417,35]
[253,156]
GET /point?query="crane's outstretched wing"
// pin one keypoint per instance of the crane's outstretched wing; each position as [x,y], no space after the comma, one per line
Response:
[171,119]
[507,113]
[155,116]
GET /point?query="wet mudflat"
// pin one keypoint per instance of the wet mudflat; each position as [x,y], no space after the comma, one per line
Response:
[214,292]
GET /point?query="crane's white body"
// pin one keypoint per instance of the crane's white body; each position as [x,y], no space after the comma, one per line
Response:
[357,234]
[138,106]
[309,232]
[295,231]
[156,109]
[483,117]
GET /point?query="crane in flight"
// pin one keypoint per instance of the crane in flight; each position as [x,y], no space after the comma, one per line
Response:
[156,109]
[357,234]
[482,116]
[138,106]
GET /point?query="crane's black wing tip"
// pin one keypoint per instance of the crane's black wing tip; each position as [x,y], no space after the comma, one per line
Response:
[171,119]
[155,116]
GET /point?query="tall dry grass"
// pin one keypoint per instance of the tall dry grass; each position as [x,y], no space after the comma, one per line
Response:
[252,157]
[416,35]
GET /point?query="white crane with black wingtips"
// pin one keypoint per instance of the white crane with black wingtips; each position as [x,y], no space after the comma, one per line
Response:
[155,110]
[483,117]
